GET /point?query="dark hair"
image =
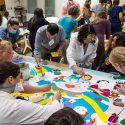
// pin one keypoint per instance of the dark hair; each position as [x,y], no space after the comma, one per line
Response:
[38,12]
[87,2]
[13,21]
[123,7]
[1,19]
[102,15]
[84,31]
[87,6]
[6,14]
[65,116]
[101,1]
[115,2]
[8,69]
[73,11]
[52,28]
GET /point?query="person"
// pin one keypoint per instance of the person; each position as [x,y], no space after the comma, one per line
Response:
[49,38]
[11,33]
[69,22]
[115,15]
[108,5]
[67,5]
[5,19]
[82,48]
[117,39]
[99,7]
[6,54]
[117,59]
[102,27]
[34,24]
[19,112]
[86,14]
[65,116]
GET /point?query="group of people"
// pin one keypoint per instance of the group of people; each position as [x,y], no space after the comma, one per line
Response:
[78,39]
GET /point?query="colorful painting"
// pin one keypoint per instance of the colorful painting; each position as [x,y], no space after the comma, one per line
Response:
[89,95]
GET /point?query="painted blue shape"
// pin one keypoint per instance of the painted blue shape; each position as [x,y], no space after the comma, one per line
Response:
[43,82]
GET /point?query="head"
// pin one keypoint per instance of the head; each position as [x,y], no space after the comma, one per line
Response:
[118,39]
[74,11]
[101,1]
[86,34]
[116,2]
[6,51]
[102,15]
[52,30]
[65,116]
[13,25]
[6,14]
[38,12]
[86,7]
[0,19]
[117,59]
[88,2]
[124,8]
[9,74]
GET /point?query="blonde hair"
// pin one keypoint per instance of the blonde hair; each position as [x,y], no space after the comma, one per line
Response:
[117,56]
[4,45]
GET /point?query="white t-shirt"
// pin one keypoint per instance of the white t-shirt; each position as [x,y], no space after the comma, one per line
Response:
[20,112]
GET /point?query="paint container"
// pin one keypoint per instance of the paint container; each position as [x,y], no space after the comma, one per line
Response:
[113,119]
[24,67]
[115,75]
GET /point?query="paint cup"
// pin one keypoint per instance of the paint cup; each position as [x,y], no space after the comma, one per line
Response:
[115,75]
[113,119]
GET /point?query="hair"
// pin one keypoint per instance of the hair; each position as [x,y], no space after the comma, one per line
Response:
[123,7]
[84,31]
[6,14]
[13,21]
[73,11]
[87,6]
[101,1]
[116,2]
[88,2]
[117,56]
[52,28]
[38,12]
[65,116]
[4,45]
[8,69]
[102,15]
[1,19]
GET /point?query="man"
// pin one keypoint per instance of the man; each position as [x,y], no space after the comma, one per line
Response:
[49,38]
[67,5]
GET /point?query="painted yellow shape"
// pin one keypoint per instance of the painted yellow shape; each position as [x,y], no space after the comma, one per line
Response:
[44,101]
[103,116]
[41,70]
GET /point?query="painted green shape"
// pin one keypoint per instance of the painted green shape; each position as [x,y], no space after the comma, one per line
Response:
[122,122]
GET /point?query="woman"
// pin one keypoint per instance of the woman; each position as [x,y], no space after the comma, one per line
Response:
[115,16]
[34,24]
[6,54]
[117,59]
[102,27]
[19,112]
[82,49]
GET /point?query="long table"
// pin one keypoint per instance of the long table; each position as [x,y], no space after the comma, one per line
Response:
[90,96]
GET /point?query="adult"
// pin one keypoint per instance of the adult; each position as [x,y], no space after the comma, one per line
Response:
[19,112]
[67,5]
[5,19]
[49,38]
[82,48]
[34,24]
[115,16]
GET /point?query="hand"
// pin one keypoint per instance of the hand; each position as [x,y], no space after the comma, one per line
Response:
[56,96]
[78,70]
[46,88]
[59,52]
[120,88]
[107,61]
[120,104]
[38,66]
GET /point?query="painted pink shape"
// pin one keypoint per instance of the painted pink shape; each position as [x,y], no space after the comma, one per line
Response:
[95,86]
[105,92]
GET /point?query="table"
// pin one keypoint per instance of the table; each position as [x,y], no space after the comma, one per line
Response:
[85,96]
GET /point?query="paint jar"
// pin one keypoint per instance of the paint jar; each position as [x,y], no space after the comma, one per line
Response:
[24,67]
[113,119]
[115,75]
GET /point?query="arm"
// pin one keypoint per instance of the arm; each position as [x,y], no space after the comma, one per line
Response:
[108,29]
[90,59]
[37,50]
[35,89]
[30,113]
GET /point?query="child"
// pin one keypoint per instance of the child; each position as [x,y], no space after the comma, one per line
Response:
[117,59]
